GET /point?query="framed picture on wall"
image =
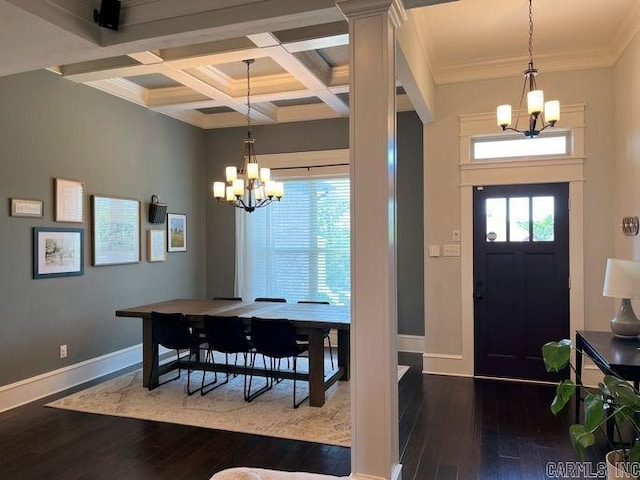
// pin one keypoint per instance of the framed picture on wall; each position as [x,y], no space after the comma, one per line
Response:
[176,232]
[27,208]
[69,196]
[58,252]
[156,246]
[115,230]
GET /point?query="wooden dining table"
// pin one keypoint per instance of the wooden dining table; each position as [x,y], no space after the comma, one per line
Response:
[310,320]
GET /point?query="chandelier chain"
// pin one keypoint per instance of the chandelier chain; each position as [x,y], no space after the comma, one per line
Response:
[248,96]
[531,32]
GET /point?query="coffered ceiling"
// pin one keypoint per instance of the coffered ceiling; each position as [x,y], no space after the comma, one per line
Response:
[184,59]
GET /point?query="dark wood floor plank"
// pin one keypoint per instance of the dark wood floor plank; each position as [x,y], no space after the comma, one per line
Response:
[451,428]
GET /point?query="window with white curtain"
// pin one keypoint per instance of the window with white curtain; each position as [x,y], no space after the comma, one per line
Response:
[298,248]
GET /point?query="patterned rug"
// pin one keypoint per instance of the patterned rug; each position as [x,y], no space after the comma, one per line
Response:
[270,414]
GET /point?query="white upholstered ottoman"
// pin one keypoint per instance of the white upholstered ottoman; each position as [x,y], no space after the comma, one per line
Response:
[244,473]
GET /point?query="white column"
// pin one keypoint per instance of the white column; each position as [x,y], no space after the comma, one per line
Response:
[372,128]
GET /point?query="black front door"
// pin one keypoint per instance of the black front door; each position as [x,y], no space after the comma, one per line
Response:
[521,276]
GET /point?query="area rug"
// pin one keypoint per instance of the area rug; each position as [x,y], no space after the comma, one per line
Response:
[270,414]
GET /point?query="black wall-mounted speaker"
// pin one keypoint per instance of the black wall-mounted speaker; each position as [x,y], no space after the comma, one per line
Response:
[157,210]
[109,14]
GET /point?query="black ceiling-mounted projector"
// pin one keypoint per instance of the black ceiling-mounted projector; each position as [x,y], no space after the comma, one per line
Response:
[109,14]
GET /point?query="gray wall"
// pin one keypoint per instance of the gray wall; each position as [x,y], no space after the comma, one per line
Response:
[50,127]
[224,147]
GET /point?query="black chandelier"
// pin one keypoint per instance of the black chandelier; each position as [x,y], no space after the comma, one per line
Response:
[541,114]
[250,186]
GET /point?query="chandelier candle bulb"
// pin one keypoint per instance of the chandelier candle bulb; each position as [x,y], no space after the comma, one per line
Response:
[232,174]
[252,171]
[218,189]
[230,196]
[535,101]
[270,188]
[279,190]
[265,174]
[504,115]
[238,187]
[552,111]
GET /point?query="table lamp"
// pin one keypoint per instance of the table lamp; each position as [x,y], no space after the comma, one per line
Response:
[622,280]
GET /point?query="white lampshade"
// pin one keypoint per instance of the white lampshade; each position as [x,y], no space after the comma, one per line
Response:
[270,188]
[265,174]
[552,111]
[279,190]
[232,174]
[230,196]
[503,113]
[252,171]
[218,189]
[238,187]
[535,101]
[622,279]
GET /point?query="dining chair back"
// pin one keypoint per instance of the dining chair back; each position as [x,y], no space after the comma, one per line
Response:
[276,339]
[171,331]
[225,335]
[270,299]
[235,299]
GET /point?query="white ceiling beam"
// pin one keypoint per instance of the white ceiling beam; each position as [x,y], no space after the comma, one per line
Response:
[123,88]
[222,57]
[192,117]
[146,58]
[317,43]
[118,72]
[310,79]
[266,39]
[210,91]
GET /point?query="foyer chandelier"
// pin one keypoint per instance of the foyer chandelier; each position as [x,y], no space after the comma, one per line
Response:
[541,114]
[250,186]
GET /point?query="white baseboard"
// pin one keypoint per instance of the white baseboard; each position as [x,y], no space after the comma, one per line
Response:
[444,364]
[410,343]
[30,389]
[396,474]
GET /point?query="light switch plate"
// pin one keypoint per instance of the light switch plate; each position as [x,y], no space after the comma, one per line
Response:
[451,250]
[434,250]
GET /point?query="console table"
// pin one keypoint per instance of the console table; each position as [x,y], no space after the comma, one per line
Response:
[612,355]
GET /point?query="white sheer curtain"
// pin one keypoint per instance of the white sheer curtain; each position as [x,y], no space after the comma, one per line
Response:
[298,248]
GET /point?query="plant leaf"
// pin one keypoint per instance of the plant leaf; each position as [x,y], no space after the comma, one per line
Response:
[556,355]
[594,411]
[581,439]
[634,453]
[564,392]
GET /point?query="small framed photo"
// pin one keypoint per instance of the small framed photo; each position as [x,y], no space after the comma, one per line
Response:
[69,196]
[58,252]
[156,246]
[27,208]
[176,232]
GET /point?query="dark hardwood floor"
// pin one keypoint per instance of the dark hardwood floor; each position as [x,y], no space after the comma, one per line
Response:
[450,428]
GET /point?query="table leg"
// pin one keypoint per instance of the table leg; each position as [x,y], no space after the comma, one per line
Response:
[148,359]
[316,368]
[578,395]
[344,353]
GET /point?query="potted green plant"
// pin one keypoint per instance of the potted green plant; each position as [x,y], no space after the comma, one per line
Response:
[613,400]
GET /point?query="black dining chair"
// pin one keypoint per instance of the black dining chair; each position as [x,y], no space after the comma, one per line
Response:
[327,334]
[270,299]
[172,331]
[225,335]
[235,299]
[275,339]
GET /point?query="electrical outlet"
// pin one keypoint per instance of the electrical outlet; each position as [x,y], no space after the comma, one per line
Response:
[63,351]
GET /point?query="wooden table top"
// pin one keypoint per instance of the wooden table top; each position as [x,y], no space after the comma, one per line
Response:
[332,316]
